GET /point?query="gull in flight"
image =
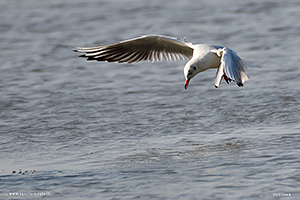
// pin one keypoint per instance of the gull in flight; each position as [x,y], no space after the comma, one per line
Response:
[201,57]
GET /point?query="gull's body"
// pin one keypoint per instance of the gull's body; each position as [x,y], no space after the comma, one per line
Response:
[157,48]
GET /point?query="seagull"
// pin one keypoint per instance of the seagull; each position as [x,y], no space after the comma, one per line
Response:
[201,57]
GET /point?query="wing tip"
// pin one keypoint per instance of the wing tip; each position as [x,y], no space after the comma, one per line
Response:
[240,84]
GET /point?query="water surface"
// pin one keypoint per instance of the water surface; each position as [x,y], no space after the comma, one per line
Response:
[73,129]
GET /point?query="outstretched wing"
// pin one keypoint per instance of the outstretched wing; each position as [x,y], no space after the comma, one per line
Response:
[144,48]
[231,66]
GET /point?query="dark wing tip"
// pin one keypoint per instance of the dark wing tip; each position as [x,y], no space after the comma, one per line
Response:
[240,84]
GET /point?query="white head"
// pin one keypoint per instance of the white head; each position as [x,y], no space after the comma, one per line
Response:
[190,70]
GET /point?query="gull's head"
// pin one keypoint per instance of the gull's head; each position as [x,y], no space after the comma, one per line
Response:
[190,70]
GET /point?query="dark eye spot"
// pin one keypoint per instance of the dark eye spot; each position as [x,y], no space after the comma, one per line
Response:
[194,68]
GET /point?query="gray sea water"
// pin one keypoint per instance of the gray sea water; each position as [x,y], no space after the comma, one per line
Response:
[71,129]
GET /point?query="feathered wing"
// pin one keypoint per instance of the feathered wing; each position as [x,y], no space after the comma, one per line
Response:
[231,67]
[144,48]
[219,75]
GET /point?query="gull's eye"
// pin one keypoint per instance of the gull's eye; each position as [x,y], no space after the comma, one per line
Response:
[194,68]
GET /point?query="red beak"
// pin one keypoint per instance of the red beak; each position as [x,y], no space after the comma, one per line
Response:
[186,84]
